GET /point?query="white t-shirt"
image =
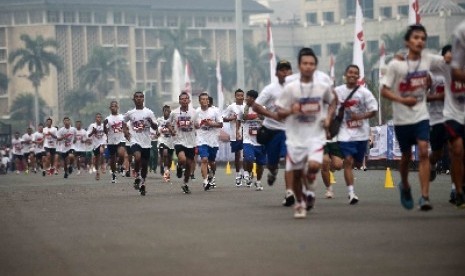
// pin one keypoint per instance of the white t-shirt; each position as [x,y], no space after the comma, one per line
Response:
[208,135]
[38,138]
[454,103]
[28,146]
[362,101]
[115,129]
[409,78]
[17,146]
[268,98]
[165,135]
[140,126]
[251,123]
[81,138]
[68,135]
[5,160]
[99,138]
[50,142]
[436,108]
[232,109]
[306,128]
[183,123]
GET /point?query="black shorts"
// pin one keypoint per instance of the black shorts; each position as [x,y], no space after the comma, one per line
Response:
[80,153]
[162,147]
[144,152]
[437,137]
[39,155]
[96,151]
[128,149]
[332,149]
[189,152]
[454,130]
[18,156]
[65,154]
[113,149]
[52,151]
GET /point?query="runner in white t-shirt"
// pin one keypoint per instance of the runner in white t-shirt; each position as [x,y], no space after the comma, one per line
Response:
[39,151]
[141,120]
[165,143]
[405,84]
[454,112]
[80,146]
[235,137]
[28,150]
[113,127]
[17,150]
[250,123]
[96,133]
[67,136]
[206,121]
[355,128]
[181,123]
[302,105]
[50,144]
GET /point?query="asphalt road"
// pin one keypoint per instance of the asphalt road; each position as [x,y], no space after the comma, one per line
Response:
[77,226]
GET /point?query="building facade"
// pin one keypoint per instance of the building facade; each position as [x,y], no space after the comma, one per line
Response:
[80,25]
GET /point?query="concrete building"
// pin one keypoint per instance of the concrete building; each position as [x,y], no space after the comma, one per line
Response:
[80,25]
[328,25]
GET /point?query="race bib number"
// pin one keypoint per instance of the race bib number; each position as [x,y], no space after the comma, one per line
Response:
[310,107]
[185,124]
[117,127]
[138,126]
[412,83]
[354,123]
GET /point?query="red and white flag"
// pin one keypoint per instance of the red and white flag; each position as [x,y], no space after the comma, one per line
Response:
[359,43]
[413,12]
[187,79]
[272,55]
[331,68]
[219,86]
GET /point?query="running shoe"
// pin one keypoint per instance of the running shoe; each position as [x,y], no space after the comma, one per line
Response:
[452,197]
[271,178]
[405,197]
[310,201]
[213,182]
[70,169]
[137,183]
[97,176]
[459,201]
[128,173]
[238,181]
[162,170]
[43,173]
[300,211]
[113,178]
[185,189]
[248,181]
[66,175]
[78,172]
[167,176]
[289,198]
[179,171]
[192,176]
[329,194]
[142,190]
[424,204]
[258,186]
[353,198]
[206,186]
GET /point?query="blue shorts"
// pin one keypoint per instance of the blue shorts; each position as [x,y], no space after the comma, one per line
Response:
[236,145]
[356,149]
[255,154]
[408,135]
[207,152]
[276,147]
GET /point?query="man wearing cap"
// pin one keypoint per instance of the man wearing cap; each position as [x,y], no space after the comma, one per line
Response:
[275,146]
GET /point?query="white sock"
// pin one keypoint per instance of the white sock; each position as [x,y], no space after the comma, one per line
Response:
[350,189]
[238,174]
[246,174]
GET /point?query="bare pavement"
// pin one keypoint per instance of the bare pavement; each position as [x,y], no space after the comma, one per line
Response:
[77,226]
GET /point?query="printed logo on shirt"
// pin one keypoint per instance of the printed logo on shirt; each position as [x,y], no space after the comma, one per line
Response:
[414,85]
[254,125]
[138,126]
[117,127]
[184,123]
[458,91]
[310,107]
[68,138]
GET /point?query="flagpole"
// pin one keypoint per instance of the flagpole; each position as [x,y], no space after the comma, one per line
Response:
[272,56]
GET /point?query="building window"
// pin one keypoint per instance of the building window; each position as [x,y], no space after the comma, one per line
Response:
[433,42]
[129,18]
[316,49]
[328,17]
[2,55]
[5,18]
[100,17]
[36,17]
[333,48]
[20,17]
[367,8]
[2,37]
[372,46]
[85,17]
[200,22]
[117,18]
[385,12]
[69,17]
[144,20]
[172,21]
[402,10]
[214,19]
[227,19]
[311,18]
[158,20]
[53,16]
[187,21]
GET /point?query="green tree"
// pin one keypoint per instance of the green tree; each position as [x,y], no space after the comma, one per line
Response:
[178,39]
[393,43]
[37,56]
[256,64]
[104,64]
[23,108]
[76,99]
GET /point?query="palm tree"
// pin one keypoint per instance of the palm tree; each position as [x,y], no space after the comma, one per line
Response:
[76,99]
[23,107]
[37,56]
[393,43]
[178,39]
[256,64]
[104,64]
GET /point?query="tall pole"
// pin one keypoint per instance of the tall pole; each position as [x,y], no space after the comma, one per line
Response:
[239,45]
